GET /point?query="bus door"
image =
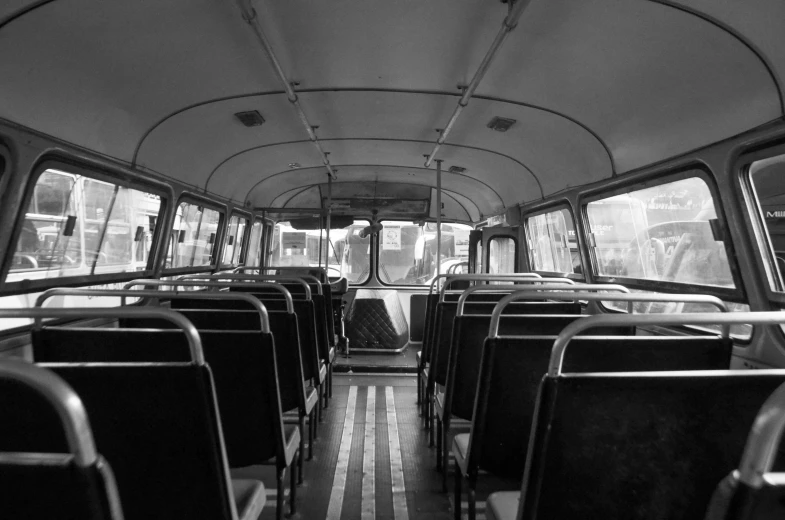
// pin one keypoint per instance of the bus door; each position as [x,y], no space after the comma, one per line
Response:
[501,248]
[475,251]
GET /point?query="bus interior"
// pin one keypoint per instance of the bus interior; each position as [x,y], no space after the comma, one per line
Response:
[484,259]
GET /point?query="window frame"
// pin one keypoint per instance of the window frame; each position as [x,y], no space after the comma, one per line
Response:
[487,252]
[552,208]
[193,198]
[246,235]
[255,220]
[129,181]
[774,284]
[377,256]
[737,294]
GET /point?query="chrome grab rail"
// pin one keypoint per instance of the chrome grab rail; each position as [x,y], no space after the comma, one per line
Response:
[500,278]
[323,270]
[544,287]
[124,293]
[216,285]
[444,275]
[454,267]
[699,318]
[493,330]
[257,278]
[63,399]
[760,452]
[277,277]
[38,313]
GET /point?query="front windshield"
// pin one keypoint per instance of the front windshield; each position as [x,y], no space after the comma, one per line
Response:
[346,255]
[407,251]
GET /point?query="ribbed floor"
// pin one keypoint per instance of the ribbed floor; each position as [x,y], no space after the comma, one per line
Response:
[372,459]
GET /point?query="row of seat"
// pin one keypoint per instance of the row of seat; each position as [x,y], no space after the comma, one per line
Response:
[488,394]
[144,380]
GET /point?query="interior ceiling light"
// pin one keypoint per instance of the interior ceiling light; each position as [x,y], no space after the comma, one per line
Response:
[501,124]
[456,169]
[250,118]
[294,165]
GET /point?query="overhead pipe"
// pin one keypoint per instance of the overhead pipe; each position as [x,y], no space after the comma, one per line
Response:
[509,23]
[249,15]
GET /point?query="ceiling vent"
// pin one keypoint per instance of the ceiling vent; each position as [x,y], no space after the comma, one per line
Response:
[250,118]
[501,124]
[456,169]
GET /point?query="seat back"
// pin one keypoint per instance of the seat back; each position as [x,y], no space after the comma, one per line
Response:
[41,476]
[93,344]
[158,425]
[313,337]
[512,368]
[242,364]
[468,338]
[445,316]
[638,446]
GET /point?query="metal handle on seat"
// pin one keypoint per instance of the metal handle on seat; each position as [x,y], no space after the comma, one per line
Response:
[493,331]
[544,287]
[764,439]
[322,270]
[37,313]
[63,399]
[501,278]
[257,278]
[124,293]
[726,319]
[217,285]
[454,267]
[517,275]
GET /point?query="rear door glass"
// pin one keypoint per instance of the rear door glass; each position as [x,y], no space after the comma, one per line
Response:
[552,243]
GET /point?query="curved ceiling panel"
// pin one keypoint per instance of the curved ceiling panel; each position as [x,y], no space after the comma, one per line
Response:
[759,22]
[505,176]
[431,45]
[456,207]
[312,198]
[558,151]
[653,81]
[99,74]
[484,200]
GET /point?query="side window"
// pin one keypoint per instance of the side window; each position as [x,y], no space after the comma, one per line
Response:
[501,255]
[76,226]
[767,178]
[552,243]
[255,244]
[193,236]
[233,248]
[668,232]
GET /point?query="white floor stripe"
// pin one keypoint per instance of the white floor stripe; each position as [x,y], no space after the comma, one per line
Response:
[369,458]
[400,511]
[342,468]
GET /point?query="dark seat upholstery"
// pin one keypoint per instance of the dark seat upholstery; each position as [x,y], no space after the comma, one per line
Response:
[442,336]
[512,368]
[244,368]
[137,413]
[40,477]
[463,364]
[638,446]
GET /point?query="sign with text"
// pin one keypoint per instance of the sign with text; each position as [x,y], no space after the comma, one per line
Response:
[391,238]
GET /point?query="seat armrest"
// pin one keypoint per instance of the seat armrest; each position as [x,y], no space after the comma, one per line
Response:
[249,498]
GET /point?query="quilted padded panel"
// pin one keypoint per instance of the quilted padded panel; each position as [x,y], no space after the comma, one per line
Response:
[376,320]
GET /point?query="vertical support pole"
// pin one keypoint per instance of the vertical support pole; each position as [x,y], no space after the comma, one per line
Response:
[438,216]
[329,216]
[265,242]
